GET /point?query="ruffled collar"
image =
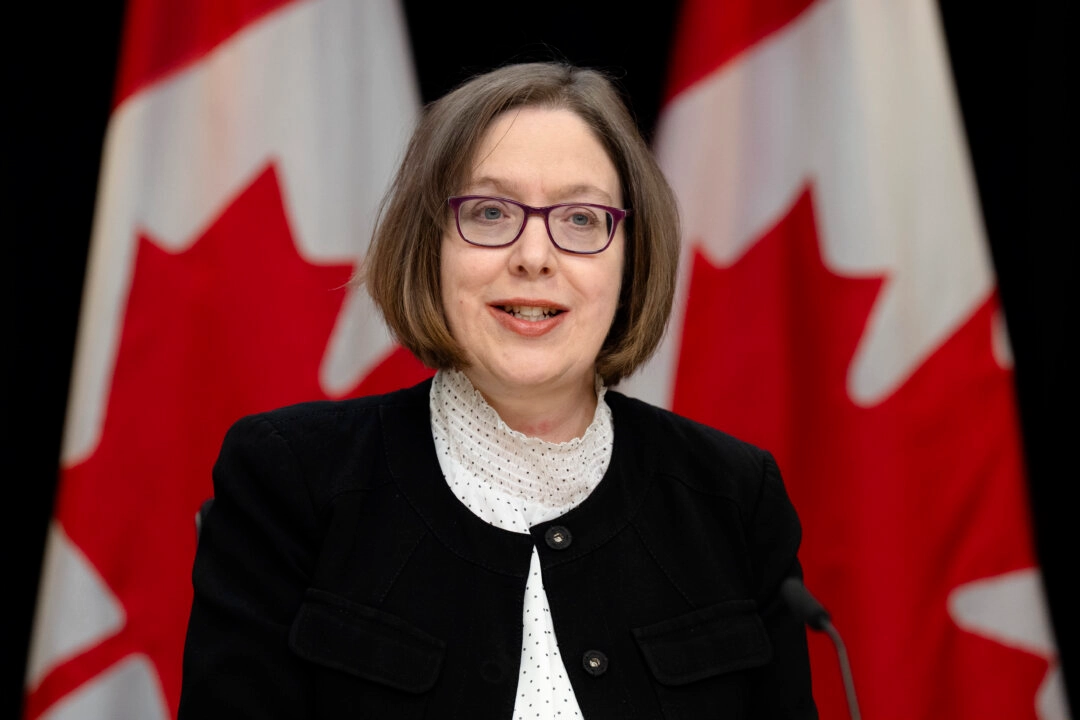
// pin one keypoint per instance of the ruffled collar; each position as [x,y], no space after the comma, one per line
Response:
[485,453]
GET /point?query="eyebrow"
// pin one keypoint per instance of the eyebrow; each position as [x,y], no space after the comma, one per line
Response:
[563,194]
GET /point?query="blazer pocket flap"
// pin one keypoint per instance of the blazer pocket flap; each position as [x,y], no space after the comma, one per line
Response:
[366,642]
[707,642]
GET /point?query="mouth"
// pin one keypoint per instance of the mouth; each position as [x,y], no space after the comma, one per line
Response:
[531,313]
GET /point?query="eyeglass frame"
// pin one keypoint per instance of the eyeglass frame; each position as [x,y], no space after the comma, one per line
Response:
[617,215]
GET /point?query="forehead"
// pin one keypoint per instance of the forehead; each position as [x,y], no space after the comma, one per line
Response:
[549,152]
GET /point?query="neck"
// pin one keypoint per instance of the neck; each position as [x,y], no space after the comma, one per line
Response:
[553,414]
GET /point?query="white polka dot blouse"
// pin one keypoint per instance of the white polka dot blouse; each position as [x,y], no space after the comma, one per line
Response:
[513,482]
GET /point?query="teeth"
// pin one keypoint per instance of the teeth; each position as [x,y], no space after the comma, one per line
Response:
[526,312]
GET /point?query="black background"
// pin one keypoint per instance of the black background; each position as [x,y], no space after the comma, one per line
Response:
[1014,90]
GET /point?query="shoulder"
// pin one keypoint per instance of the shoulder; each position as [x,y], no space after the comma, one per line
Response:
[703,457]
[699,469]
[329,435]
[326,418]
[677,431]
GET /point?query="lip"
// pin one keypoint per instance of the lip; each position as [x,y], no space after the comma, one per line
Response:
[527,328]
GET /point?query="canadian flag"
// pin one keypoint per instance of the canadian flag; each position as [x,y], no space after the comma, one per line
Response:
[248,147]
[837,305]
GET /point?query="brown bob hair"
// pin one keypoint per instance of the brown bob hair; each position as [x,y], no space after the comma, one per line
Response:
[401,270]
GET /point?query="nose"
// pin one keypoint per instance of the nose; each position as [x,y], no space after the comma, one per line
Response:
[533,253]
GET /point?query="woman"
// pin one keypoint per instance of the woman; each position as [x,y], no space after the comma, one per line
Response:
[510,539]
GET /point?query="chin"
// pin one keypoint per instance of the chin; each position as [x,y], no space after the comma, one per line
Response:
[545,377]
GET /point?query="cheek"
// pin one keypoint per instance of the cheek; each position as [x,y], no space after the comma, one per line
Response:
[603,299]
[612,298]
[617,277]
[448,292]
[449,272]
[459,287]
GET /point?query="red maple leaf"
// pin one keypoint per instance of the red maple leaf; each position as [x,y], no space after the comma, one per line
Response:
[236,324]
[901,502]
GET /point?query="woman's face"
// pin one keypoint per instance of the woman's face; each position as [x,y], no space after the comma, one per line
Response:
[493,296]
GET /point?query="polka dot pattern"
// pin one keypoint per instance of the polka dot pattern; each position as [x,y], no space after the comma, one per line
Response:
[513,482]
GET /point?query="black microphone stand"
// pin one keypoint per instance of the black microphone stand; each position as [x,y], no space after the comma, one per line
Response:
[804,605]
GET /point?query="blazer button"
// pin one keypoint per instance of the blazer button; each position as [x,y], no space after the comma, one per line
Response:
[594,662]
[558,537]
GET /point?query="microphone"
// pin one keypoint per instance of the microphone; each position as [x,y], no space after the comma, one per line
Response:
[810,611]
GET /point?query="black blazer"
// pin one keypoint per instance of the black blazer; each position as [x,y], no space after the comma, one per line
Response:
[338,576]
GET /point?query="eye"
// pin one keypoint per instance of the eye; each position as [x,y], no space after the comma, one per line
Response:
[579,217]
[487,210]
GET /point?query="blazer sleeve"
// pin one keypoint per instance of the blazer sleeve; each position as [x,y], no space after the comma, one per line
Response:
[255,552]
[783,688]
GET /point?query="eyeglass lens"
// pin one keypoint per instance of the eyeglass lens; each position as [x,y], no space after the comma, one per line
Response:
[576,228]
